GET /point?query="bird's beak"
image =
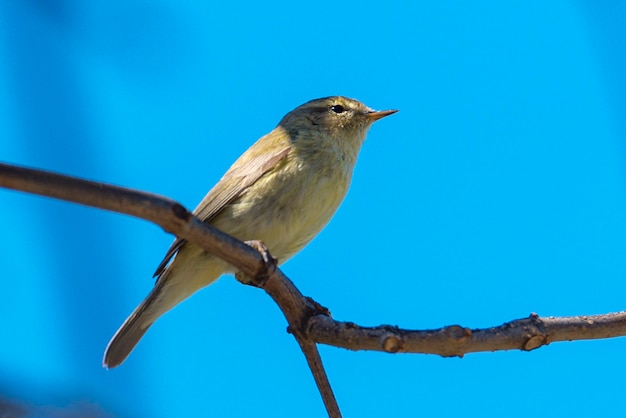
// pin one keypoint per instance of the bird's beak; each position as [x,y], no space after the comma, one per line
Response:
[375,115]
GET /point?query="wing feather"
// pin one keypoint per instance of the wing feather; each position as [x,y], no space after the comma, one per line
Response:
[250,167]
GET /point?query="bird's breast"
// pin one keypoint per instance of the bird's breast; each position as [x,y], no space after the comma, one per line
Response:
[288,206]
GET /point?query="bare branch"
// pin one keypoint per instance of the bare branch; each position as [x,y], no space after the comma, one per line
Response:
[312,354]
[165,212]
[309,322]
[520,334]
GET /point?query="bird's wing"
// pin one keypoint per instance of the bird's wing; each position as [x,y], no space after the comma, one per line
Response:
[250,167]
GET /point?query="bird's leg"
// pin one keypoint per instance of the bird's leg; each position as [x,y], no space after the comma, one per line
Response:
[269,266]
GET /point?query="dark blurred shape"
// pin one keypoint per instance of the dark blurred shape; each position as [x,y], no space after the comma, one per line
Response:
[10,409]
[79,409]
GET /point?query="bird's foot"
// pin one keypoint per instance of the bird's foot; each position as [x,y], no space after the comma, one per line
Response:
[269,266]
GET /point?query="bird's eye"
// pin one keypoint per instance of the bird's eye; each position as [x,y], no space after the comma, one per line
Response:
[337,109]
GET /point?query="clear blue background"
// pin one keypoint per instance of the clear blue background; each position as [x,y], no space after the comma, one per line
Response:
[498,190]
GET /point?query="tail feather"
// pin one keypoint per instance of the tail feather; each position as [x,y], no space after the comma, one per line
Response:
[191,270]
[131,331]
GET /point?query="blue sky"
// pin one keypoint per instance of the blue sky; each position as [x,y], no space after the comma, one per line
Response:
[496,191]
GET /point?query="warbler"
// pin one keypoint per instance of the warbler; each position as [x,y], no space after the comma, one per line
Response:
[283,190]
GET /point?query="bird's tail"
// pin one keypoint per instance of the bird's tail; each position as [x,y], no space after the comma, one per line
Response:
[190,271]
[135,326]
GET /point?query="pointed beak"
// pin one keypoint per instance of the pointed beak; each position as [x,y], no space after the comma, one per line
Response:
[375,115]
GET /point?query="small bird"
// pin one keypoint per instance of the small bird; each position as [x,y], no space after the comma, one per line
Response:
[282,191]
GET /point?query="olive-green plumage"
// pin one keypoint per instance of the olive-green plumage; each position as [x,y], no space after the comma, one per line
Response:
[283,190]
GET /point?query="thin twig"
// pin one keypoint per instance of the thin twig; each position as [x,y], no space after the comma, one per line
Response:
[521,334]
[298,309]
[314,361]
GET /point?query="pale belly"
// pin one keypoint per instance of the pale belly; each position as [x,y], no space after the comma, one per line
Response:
[293,210]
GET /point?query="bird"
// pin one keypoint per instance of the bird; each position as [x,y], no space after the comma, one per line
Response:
[282,191]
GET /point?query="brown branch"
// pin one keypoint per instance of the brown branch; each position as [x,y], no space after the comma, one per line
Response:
[309,322]
[298,309]
[314,360]
[520,334]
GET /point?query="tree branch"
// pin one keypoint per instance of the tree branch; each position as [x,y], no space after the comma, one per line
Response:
[309,322]
[521,334]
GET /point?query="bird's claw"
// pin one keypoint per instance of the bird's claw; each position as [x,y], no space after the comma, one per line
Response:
[269,265]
